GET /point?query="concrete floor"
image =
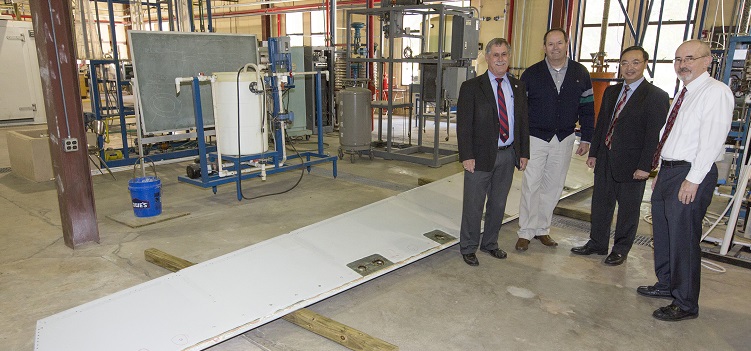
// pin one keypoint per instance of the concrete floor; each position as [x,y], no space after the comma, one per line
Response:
[542,299]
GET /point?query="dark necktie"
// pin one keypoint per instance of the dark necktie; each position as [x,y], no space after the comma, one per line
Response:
[618,108]
[502,114]
[668,127]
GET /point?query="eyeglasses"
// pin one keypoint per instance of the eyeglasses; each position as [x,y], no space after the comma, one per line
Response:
[632,63]
[687,59]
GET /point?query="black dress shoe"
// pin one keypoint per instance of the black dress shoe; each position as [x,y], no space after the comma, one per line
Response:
[497,253]
[615,259]
[471,259]
[651,291]
[588,250]
[673,313]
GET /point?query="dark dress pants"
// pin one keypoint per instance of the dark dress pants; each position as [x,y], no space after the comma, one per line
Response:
[606,193]
[478,186]
[677,232]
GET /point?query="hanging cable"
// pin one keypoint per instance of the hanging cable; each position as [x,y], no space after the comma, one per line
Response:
[263,117]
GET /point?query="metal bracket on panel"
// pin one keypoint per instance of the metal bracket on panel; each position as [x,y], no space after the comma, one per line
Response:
[439,236]
[370,264]
[33,107]
[16,37]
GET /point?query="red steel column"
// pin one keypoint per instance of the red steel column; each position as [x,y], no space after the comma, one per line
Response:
[62,100]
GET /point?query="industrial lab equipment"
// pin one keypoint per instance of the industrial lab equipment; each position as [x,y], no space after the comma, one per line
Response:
[448,39]
[353,106]
[247,103]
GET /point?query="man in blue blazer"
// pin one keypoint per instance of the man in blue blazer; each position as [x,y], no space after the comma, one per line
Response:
[493,135]
[624,142]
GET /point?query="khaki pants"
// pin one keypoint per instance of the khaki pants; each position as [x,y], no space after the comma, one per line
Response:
[542,184]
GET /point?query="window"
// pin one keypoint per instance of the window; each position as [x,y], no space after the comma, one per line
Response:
[294,24]
[592,28]
[661,50]
[318,28]
[671,36]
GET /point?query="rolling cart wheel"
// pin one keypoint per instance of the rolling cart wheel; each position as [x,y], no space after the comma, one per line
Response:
[370,155]
[341,154]
[352,158]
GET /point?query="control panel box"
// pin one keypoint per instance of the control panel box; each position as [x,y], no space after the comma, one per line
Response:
[465,32]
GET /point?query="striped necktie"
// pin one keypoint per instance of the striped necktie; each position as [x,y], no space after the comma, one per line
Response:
[618,108]
[502,114]
[668,127]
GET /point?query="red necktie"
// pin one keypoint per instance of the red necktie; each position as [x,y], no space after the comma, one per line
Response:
[502,114]
[618,108]
[668,127]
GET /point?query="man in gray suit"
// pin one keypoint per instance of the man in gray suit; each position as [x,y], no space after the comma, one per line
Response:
[493,135]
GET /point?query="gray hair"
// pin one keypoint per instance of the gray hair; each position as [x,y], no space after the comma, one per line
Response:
[497,42]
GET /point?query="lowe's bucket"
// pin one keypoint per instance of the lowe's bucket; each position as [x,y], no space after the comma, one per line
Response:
[146,194]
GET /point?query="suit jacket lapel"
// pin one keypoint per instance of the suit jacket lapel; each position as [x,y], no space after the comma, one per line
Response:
[637,95]
[614,103]
[487,89]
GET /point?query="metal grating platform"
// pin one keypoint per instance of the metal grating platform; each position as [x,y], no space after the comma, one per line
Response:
[584,227]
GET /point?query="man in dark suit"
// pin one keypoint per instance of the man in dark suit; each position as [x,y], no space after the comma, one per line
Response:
[493,132]
[625,139]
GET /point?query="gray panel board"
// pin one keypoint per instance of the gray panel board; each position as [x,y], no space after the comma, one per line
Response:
[160,57]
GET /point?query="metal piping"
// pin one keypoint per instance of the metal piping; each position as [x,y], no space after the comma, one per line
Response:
[701,22]
[510,20]
[569,15]
[332,65]
[550,15]
[308,7]
[688,20]
[371,65]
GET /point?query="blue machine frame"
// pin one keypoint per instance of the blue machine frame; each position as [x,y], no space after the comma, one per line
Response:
[208,180]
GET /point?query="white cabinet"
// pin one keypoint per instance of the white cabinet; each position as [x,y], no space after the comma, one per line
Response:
[21,99]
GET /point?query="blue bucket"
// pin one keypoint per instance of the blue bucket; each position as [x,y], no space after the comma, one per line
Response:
[146,195]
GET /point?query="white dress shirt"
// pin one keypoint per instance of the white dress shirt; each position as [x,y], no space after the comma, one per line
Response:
[701,127]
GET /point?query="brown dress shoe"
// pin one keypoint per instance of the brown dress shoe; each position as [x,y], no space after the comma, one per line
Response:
[522,244]
[546,240]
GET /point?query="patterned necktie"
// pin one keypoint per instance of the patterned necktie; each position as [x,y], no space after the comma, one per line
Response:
[618,108]
[502,114]
[668,127]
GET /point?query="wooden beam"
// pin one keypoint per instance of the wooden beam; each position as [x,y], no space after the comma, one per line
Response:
[348,337]
[165,260]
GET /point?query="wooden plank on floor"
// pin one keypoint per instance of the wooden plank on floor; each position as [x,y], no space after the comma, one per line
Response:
[328,328]
[348,337]
[165,260]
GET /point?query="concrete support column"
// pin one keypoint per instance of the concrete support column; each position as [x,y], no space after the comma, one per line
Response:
[57,64]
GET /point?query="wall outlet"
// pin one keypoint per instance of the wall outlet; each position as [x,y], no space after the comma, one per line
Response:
[70,144]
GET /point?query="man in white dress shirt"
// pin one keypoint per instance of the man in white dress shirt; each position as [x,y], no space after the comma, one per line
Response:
[690,143]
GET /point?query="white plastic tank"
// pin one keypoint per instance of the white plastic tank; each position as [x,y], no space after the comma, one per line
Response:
[253,128]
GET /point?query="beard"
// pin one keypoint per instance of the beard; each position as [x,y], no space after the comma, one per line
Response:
[685,74]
